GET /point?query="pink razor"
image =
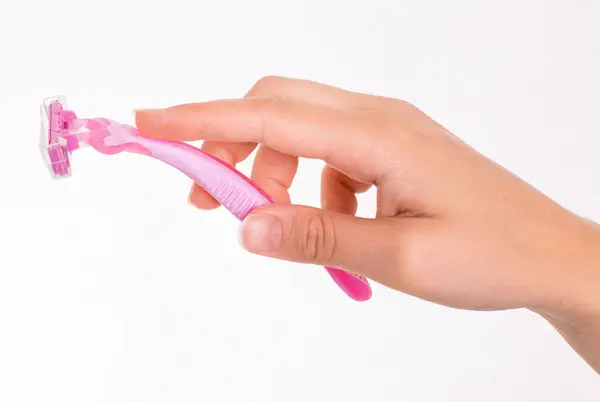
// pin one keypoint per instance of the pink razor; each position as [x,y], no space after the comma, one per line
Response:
[62,132]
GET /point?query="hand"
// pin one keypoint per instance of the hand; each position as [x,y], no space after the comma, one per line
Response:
[452,227]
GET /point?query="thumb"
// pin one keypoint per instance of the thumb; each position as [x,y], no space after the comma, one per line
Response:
[314,236]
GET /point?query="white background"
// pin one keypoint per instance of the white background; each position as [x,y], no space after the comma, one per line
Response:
[112,288]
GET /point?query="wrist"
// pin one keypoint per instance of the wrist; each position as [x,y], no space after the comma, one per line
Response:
[574,297]
[575,308]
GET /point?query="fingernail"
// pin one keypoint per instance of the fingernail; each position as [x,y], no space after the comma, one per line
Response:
[261,233]
[136,111]
[151,115]
[190,195]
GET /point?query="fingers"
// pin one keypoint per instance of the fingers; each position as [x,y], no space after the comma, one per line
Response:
[266,163]
[309,235]
[274,172]
[326,95]
[338,137]
[319,94]
[338,191]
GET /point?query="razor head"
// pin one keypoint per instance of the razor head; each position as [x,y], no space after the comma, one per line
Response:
[54,146]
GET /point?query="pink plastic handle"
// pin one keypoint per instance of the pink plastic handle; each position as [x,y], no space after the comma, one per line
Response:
[236,192]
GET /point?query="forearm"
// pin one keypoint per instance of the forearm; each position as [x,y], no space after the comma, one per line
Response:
[583,337]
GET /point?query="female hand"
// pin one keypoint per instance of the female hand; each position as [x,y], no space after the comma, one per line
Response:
[452,227]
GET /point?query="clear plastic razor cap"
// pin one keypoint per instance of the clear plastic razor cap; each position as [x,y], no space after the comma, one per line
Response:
[53,147]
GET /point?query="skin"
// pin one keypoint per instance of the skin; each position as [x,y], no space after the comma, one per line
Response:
[452,227]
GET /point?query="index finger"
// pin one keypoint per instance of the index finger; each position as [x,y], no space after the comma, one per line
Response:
[345,139]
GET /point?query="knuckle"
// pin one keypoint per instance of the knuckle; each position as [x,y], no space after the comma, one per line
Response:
[271,106]
[403,104]
[267,111]
[267,86]
[316,238]
[276,104]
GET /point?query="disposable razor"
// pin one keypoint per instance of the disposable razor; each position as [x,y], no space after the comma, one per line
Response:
[62,133]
